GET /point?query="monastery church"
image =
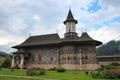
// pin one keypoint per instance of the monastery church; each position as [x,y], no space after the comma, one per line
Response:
[72,52]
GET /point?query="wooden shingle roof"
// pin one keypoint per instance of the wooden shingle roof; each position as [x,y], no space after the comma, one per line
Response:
[70,17]
[86,38]
[51,39]
[40,40]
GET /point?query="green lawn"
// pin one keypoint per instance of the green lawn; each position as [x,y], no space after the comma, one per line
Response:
[10,78]
[68,75]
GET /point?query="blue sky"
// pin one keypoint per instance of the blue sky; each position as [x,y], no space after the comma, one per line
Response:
[20,18]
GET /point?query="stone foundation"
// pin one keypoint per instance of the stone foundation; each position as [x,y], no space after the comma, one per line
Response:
[68,66]
[107,62]
[44,66]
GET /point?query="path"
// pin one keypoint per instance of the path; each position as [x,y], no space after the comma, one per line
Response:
[26,77]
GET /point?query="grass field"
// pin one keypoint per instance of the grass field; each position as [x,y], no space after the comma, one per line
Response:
[68,75]
[11,78]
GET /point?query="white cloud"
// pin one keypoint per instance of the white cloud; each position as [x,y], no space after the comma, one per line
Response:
[115,3]
[16,25]
[7,48]
[36,17]
[81,3]
[6,38]
[61,29]
[105,34]
[39,29]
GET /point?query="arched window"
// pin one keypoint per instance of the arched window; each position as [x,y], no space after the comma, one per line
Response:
[17,60]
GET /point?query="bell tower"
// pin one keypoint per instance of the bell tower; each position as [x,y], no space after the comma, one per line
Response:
[70,23]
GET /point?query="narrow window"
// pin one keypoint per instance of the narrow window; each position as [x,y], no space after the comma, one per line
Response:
[51,58]
[86,58]
[74,58]
[68,58]
[39,57]
[32,57]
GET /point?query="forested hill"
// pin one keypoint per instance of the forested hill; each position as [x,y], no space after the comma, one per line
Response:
[3,53]
[110,48]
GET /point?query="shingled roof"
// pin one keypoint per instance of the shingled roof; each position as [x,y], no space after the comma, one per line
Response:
[86,38]
[40,40]
[70,17]
[51,39]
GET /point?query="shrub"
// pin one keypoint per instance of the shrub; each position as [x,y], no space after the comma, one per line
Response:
[115,64]
[108,67]
[112,74]
[94,75]
[6,63]
[98,74]
[31,71]
[111,71]
[0,67]
[59,69]
[52,69]
[41,72]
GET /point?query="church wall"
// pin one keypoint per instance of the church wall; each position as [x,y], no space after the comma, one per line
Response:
[44,57]
[88,54]
[70,57]
[90,66]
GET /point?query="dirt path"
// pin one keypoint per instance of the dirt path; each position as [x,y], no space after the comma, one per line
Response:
[25,77]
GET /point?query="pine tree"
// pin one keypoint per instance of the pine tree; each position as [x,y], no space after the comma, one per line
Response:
[6,63]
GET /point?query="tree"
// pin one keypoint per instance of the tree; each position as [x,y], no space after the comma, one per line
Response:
[110,48]
[6,63]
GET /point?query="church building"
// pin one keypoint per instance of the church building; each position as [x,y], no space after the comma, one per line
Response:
[71,52]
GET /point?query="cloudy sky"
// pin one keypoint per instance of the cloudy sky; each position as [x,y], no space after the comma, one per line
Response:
[21,18]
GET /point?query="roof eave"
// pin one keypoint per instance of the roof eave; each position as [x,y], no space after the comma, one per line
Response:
[70,20]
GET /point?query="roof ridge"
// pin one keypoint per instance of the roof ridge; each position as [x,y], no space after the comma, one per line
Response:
[44,35]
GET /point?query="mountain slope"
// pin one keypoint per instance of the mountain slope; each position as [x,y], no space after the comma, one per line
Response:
[3,53]
[110,48]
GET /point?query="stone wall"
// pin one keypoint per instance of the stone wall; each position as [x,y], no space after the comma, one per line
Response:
[68,56]
[44,56]
[107,62]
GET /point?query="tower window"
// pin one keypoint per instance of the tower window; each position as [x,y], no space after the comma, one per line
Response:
[69,29]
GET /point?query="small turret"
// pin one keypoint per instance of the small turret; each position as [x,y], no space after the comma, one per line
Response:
[70,23]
